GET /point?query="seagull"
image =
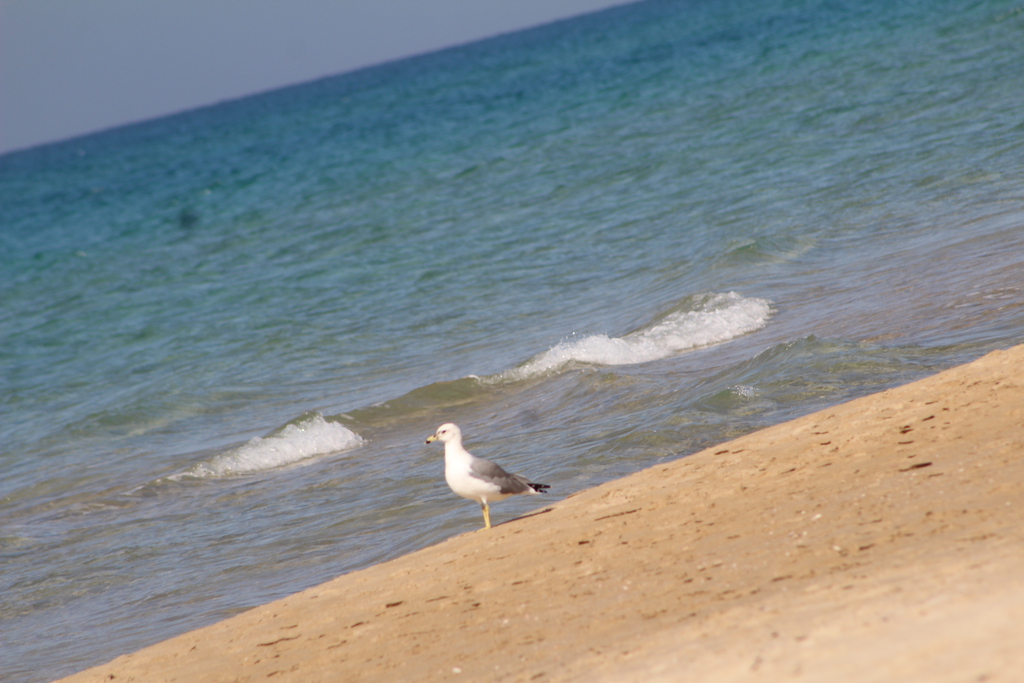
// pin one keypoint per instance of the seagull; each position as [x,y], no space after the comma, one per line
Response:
[475,478]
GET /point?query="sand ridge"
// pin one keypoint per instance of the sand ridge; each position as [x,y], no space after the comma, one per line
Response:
[876,540]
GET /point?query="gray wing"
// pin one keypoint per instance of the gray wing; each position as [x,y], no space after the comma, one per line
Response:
[492,473]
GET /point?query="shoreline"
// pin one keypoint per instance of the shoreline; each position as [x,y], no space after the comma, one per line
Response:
[879,539]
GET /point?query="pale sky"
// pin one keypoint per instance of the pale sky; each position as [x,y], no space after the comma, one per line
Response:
[70,67]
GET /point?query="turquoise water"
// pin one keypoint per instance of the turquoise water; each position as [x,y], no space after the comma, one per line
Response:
[595,245]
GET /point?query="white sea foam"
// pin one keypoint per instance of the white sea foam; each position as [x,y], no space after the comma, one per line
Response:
[298,441]
[744,391]
[715,318]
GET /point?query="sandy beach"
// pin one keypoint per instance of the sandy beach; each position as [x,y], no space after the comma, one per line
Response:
[877,540]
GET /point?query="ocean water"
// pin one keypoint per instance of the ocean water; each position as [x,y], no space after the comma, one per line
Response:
[596,245]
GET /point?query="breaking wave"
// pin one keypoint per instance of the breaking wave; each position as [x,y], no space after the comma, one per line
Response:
[296,441]
[708,319]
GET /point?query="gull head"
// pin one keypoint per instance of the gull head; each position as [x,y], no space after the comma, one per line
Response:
[446,433]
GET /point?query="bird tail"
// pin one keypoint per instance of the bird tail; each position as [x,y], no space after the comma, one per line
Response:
[539,488]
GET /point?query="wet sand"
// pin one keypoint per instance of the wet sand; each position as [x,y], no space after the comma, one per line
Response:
[879,540]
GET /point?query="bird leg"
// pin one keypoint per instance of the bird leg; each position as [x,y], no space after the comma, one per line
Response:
[487,515]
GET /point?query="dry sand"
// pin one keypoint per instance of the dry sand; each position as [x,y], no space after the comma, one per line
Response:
[879,540]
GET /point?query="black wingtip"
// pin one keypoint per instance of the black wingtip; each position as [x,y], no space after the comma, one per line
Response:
[539,488]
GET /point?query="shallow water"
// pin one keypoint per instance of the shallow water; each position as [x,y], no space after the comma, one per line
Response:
[595,245]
